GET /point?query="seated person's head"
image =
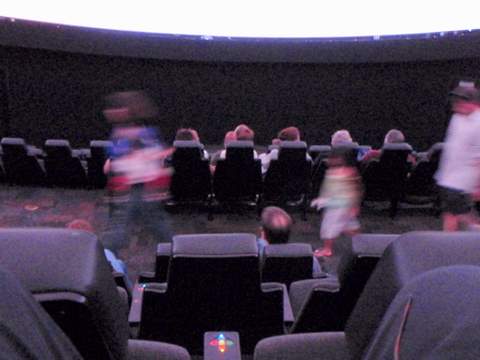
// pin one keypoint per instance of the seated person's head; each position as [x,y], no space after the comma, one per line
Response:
[243,132]
[341,137]
[186,135]
[229,137]
[289,134]
[394,136]
[276,225]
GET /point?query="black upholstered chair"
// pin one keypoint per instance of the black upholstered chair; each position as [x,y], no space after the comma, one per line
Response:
[325,304]
[99,150]
[191,180]
[238,177]
[385,178]
[409,256]
[421,182]
[63,164]
[213,284]
[22,163]
[67,272]
[286,263]
[287,180]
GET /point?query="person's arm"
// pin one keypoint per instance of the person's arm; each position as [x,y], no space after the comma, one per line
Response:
[107,167]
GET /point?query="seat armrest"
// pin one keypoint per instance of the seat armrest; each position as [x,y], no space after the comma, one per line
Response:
[146,277]
[325,345]
[145,350]
[135,315]
[288,317]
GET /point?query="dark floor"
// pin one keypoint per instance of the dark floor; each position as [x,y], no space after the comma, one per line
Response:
[45,207]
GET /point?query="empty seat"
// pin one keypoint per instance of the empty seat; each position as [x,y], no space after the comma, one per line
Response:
[191,179]
[410,255]
[68,274]
[99,151]
[27,330]
[221,273]
[63,165]
[326,304]
[434,316]
[21,162]
[288,177]
[286,263]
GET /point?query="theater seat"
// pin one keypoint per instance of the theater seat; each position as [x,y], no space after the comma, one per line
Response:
[286,263]
[22,163]
[191,180]
[213,285]
[64,165]
[434,316]
[238,177]
[385,178]
[325,304]
[410,255]
[287,180]
[99,151]
[67,272]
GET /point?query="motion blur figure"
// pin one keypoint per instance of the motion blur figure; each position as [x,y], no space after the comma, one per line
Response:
[137,176]
[340,196]
[458,174]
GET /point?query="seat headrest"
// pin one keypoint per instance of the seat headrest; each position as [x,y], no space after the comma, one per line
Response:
[397,146]
[240,144]
[320,148]
[371,244]
[101,143]
[293,145]
[215,245]
[346,145]
[13,141]
[288,250]
[187,144]
[57,142]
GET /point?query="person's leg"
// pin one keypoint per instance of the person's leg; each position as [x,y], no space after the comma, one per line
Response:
[330,229]
[326,250]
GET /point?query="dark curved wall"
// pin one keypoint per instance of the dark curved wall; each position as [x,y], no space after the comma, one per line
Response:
[59,95]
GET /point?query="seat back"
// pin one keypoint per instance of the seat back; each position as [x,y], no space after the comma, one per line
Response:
[323,311]
[288,177]
[434,316]
[99,151]
[286,263]
[411,254]
[191,179]
[221,272]
[20,167]
[68,273]
[386,178]
[63,169]
[319,151]
[239,175]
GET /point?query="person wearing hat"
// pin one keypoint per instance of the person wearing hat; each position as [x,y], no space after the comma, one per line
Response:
[458,173]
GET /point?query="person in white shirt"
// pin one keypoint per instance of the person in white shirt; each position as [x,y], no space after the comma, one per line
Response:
[458,174]
[288,134]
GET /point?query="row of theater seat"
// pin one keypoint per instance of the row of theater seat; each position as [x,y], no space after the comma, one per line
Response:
[56,164]
[213,284]
[293,178]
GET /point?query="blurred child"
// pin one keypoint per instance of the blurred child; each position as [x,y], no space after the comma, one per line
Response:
[340,196]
